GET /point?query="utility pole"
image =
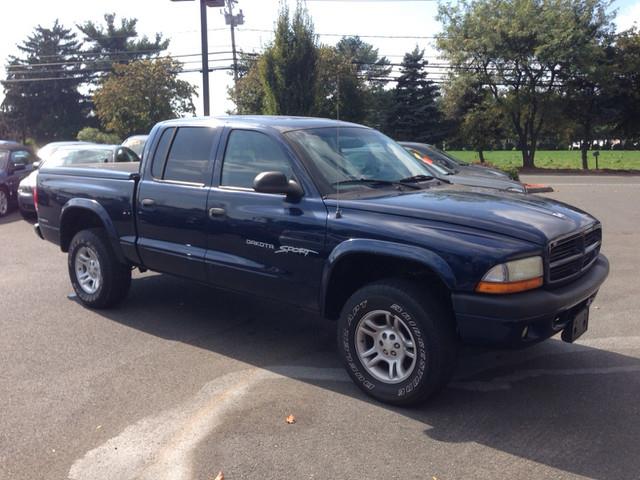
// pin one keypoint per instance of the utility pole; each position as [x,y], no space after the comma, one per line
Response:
[205,57]
[205,48]
[233,21]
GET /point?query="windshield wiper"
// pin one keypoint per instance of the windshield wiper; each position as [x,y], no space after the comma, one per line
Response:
[416,179]
[375,181]
[423,178]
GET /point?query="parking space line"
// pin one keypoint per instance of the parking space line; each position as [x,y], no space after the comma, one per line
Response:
[160,447]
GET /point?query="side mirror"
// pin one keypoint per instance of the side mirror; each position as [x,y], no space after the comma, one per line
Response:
[36,165]
[276,182]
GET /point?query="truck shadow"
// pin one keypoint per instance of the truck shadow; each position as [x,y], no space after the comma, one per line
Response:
[12,216]
[570,407]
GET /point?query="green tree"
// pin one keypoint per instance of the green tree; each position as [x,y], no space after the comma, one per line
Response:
[623,86]
[248,92]
[520,58]
[479,120]
[288,66]
[137,95]
[585,103]
[415,115]
[340,93]
[41,89]
[118,43]
[365,57]
[372,72]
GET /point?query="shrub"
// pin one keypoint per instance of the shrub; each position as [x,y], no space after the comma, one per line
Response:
[90,134]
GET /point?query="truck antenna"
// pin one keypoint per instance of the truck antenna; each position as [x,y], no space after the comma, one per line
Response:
[338,211]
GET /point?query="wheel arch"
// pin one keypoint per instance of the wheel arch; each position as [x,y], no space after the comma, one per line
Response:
[82,213]
[355,263]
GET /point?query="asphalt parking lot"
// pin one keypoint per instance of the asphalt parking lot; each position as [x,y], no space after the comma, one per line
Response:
[181,382]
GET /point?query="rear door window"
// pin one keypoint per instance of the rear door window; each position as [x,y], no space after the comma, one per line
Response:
[160,155]
[189,156]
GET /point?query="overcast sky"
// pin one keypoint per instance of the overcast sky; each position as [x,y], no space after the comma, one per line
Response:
[180,22]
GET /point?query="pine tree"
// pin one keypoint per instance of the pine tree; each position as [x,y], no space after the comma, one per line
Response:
[41,90]
[288,67]
[415,115]
[111,43]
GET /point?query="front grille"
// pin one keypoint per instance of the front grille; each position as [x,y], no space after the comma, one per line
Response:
[573,255]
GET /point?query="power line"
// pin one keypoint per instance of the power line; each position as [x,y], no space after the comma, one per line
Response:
[401,37]
[86,77]
[11,68]
[90,70]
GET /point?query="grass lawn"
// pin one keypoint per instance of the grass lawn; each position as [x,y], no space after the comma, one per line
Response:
[611,159]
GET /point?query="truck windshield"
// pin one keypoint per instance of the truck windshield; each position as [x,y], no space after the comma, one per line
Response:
[351,158]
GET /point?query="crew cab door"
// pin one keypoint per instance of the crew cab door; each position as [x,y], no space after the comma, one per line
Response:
[171,201]
[263,243]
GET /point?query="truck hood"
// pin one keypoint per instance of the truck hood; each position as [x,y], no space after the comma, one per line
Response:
[526,217]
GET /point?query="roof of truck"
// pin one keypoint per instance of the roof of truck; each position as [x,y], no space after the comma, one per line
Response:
[281,123]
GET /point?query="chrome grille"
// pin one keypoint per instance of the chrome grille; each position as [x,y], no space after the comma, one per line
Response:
[570,256]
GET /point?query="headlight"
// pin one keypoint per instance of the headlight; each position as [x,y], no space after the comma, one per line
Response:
[24,189]
[512,277]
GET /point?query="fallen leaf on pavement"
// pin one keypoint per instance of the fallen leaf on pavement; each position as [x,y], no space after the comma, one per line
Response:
[290,419]
[220,476]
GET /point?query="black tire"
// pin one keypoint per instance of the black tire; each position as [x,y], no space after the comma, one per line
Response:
[426,319]
[115,276]
[4,202]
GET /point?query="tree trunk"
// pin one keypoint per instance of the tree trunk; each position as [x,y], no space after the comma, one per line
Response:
[584,148]
[481,156]
[527,152]
[527,157]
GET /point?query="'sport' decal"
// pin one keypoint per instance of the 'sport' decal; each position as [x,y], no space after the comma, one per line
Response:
[281,249]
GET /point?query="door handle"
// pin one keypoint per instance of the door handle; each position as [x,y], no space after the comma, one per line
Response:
[148,202]
[216,212]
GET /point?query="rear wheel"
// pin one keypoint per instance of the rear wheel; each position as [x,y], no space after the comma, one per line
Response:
[4,203]
[398,341]
[99,280]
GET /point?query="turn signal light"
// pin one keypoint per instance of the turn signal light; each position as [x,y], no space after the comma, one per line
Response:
[509,287]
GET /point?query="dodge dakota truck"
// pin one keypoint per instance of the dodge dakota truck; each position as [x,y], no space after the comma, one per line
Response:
[337,219]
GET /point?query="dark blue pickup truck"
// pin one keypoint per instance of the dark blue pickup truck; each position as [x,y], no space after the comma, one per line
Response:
[337,219]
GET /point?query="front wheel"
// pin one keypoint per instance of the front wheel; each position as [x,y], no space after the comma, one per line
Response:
[99,280]
[397,341]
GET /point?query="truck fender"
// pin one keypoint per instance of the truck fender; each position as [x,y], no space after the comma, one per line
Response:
[413,253]
[94,207]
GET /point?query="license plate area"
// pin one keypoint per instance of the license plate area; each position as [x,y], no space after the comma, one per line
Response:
[576,326]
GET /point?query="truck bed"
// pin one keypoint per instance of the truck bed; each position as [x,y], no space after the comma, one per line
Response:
[107,190]
[115,171]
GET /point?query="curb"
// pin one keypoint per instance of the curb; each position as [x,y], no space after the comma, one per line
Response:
[537,188]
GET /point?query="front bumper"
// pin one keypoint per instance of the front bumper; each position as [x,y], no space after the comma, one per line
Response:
[525,318]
